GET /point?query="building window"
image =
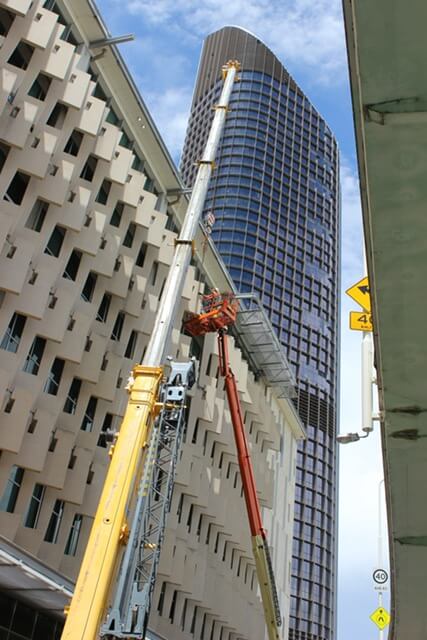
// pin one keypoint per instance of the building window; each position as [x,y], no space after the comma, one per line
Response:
[40,87]
[57,116]
[105,430]
[141,255]
[130,234]
[103,192]
[35,355]
[13,334]
[73,536]
[16,190]
[89,416]
[112,117]
[70,405]
[54,246]
[153,274]
[37,215]
[88,170]
[125,141]
[116,216]
[35,506]
[10,494]
[73,144]
[104,307]
[118,326]
[21,56]
[52,530]
[4,152]
[6,20]
[54,377]
[89,287]
[137,163]
[73,265]
[130,349]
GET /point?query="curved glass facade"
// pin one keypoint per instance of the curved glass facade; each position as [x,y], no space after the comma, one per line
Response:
[275,197]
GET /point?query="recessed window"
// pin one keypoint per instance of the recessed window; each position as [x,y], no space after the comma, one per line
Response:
[54,246]
[89,416]
[22,55]
[125,141]
[17,188]
[73,143]
[40,87]
[141,255]
[54,378]
[57,116]
[116,216]
[54,525]
[104,307]
[89,287]
[73,265]
[11,492]
[35,355]
[118,326]
[154,272]
[73,536]
[137,164]
[103,192]
[130,348]
[6,20]
[37,215]
[4,152]
[13,334]
[112,117]
[70,405]
[130,234]
[34,508]
[88,170]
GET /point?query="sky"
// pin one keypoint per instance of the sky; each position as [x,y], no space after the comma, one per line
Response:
[308,38]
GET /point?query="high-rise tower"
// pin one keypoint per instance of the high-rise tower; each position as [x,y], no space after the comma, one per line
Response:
[275,197]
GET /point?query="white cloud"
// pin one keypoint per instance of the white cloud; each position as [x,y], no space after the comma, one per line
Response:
[308,35]
[171,110]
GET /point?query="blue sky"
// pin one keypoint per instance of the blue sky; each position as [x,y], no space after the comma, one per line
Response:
[308,37]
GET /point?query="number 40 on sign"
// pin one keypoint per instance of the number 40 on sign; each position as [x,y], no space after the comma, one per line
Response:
[360,321]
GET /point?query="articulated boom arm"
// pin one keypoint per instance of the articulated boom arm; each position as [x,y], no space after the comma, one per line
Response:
[260,548]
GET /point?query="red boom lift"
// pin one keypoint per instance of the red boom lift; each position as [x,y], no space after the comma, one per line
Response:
[219,311]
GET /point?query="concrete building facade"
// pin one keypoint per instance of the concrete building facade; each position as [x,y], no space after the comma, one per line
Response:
[87,235]
[275,199]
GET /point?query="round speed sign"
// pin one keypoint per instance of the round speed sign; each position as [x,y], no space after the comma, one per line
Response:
[380,576]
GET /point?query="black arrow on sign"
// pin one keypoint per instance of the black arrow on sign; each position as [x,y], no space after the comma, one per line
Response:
[364,289]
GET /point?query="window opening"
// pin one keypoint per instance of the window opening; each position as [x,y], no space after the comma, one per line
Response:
[35,355]
[11,492]
[73,145]
[4,152]
[103,192]
[137,163]
[73,536]
[118,326]
[104,307]
[89,287]
[57,116]
[125,141]
[73,265]
[16,190]
[40,87]
[54,246]
[37,215]
[6,21]
[34,508]
[130,234]
[21,56]
[105,429]
[141,255]
[130,349]
[13,333]
[112,117]
[54,377]
[52,530]
[70,405]
[89,169]
[116,216]
[89,416]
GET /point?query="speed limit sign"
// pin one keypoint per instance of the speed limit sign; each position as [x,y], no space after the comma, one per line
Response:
[380,576]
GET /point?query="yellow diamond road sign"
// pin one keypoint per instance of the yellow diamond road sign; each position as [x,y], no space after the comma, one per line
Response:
[380,617]
[361,294]
[361,321]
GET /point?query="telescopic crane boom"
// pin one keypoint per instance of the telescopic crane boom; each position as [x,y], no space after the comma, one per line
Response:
[143,459]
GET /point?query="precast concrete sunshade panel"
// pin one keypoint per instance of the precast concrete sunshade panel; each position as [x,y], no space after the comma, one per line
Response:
[387,49]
